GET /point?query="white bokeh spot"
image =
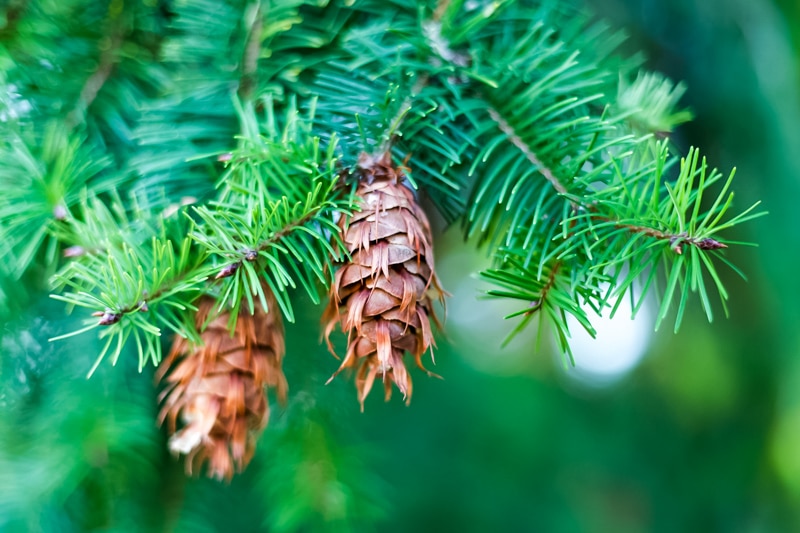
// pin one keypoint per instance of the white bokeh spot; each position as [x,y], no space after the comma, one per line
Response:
[620,344]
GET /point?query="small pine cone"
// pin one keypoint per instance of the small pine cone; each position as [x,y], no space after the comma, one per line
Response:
[382,297]
[217,389]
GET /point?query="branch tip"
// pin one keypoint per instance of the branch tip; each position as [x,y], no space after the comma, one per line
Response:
[60,212]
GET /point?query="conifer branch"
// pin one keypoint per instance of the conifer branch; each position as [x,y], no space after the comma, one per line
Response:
[13,14]
[482,101]
[252,49]
[281,240]
[432,29]
[676,241]
[517,141]
[550,295]
[290,227]
[108,59]
[113,315]
[537,304]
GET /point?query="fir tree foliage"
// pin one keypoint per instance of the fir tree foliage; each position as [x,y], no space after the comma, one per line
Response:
[157,151]
[272,218]
[74,461]
[521,120]
[330,484]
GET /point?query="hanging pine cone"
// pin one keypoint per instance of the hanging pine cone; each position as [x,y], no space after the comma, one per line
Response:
[383,297]
[217,389]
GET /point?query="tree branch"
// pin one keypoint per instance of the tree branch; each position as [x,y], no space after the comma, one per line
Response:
[110,316]
[536,305]
[676,241]
[440,45]
[247,83]
[98,78]
[432,29]
[252,255]
[14,13]
[517,141]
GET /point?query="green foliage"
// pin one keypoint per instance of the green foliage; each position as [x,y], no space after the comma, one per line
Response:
[275,213]
[139,270]
[327,482]
[157,151]
[72,462]
[541,144]
[42,180]
[634,234]
[650,103]
[670,227]
[136,289]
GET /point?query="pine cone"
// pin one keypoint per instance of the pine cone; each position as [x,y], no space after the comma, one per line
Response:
[217,389]
[383,297]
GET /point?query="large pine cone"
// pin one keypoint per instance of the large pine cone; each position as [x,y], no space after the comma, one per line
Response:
[383,297]
[217,389]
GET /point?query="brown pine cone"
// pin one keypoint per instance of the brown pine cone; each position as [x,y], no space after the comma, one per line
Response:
[217,389]
[382,297]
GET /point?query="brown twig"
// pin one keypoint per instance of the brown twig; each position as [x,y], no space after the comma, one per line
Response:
[433,33]
[14,13]
[441,7]
[551,280]
[517,141]
[676,241]
[98,78]
[248,81]
[399,117]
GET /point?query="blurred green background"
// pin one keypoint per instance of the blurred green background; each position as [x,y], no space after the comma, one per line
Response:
[698,431]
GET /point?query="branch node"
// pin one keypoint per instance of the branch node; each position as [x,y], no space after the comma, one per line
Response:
[107,317]
[228,270]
